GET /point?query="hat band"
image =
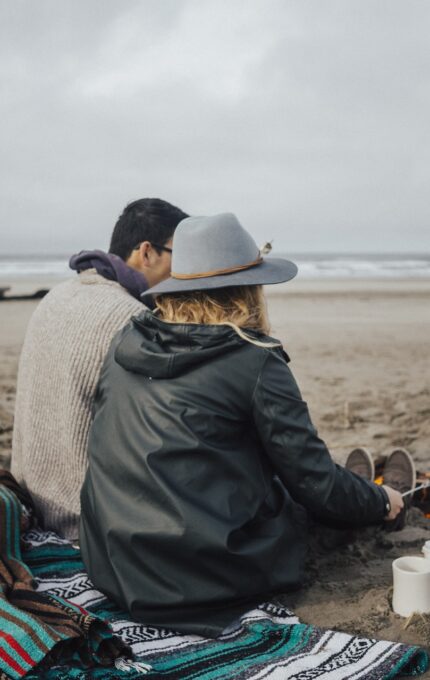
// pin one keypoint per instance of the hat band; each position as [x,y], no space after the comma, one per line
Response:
[218,272]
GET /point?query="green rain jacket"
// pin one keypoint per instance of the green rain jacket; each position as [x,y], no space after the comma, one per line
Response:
[203,466]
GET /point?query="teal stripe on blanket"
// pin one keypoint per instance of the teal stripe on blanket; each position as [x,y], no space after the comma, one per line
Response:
[47,552]
[217,650]
[12,508]
[33,647]
[66,567]
[235,658]
[413,663]
[5,647]
[108,610]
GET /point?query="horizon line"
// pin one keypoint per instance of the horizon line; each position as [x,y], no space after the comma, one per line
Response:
[292,253]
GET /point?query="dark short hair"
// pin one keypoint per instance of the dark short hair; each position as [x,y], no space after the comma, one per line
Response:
[147,219]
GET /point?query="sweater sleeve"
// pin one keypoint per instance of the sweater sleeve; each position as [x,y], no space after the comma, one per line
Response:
[301,459]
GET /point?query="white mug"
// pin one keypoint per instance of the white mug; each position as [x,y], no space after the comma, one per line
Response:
[411,585]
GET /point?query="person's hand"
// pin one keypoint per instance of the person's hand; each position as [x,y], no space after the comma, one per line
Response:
[396,502]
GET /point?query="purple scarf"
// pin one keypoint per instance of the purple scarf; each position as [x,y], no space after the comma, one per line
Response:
[111,267]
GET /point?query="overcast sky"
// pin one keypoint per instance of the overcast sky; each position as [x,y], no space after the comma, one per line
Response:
[307,118]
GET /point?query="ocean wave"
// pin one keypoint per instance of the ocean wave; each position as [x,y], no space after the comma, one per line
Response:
[310,267]
[363,268]
[32,267]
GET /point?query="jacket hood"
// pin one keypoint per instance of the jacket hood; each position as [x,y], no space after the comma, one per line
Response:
[159,349]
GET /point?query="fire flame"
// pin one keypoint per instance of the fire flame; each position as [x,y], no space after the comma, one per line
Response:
[423,494]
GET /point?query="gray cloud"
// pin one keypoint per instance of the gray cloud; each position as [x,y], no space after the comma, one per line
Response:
[306,118]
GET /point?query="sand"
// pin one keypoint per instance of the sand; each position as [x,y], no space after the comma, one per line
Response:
[360,352]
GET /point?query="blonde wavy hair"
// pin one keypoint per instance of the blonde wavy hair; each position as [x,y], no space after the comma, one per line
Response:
[241,307]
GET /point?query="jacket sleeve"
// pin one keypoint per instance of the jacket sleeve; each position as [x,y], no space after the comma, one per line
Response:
[301,459]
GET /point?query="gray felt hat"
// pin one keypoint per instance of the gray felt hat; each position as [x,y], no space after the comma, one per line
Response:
[216,252]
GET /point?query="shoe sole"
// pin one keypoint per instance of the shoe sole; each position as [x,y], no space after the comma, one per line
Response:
[366,453]
[411,462]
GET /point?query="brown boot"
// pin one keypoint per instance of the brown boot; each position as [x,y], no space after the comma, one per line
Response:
[399,473]
[360,461]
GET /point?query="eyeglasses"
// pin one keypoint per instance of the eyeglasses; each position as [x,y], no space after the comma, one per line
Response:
[155,245]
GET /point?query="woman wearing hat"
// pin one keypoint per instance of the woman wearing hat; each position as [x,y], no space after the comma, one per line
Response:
[203,461]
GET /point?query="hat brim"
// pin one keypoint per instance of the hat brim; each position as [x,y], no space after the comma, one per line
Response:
[271,270]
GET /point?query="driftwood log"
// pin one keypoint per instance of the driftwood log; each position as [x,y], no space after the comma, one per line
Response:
[34,296]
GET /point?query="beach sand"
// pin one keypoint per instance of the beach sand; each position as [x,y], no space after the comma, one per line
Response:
[360,352]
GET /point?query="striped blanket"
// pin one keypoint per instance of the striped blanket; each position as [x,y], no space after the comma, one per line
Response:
[267,643]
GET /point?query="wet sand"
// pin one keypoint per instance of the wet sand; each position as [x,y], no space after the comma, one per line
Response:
[360,352]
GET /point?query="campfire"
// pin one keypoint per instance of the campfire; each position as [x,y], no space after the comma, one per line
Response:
[420,499]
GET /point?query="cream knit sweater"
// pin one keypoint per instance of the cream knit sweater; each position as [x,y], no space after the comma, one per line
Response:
[67,339]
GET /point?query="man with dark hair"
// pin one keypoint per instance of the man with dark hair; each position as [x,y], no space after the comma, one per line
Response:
[151,218]
[66,342]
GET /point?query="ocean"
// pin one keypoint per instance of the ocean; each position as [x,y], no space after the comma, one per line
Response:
[311,266]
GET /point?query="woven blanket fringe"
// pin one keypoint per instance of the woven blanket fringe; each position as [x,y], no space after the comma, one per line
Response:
[127,666]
